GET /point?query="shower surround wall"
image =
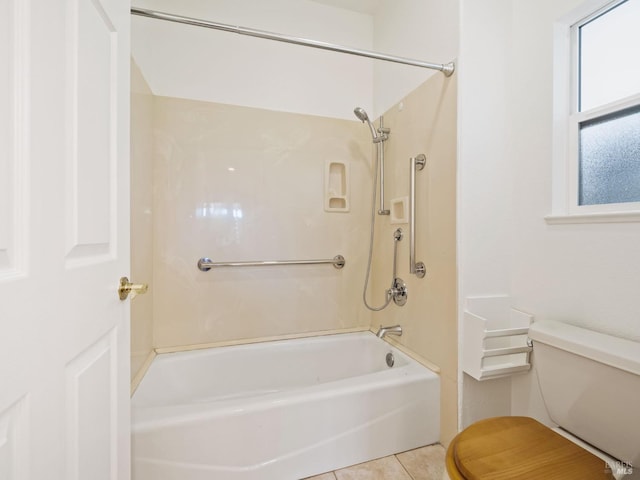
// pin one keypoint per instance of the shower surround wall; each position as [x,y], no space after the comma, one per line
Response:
[424,122]
[141,219]
[236,184]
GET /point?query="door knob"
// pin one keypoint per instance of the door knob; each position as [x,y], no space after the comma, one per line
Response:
[127,287]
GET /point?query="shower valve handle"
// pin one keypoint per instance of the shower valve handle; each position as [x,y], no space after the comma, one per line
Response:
[398,292]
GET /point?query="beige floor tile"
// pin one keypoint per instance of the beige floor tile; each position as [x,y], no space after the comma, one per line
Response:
[387,468]
[426,463]
[324,476]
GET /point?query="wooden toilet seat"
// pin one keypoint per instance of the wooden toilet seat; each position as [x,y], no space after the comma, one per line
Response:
[506,448]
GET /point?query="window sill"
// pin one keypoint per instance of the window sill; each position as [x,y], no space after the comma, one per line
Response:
[608,217]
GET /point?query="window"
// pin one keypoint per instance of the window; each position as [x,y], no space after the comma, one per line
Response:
[609,158]
[606,51]
[598,114]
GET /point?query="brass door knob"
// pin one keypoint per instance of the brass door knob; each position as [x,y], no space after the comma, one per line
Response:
[127,287]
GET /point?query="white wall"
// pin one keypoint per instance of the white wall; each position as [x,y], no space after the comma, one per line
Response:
[582,274]
[484,179]
[426,30]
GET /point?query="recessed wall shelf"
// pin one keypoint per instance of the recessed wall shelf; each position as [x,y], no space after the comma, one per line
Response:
[336,186]
[399,210]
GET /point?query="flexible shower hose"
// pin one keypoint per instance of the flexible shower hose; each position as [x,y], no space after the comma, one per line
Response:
[379,145]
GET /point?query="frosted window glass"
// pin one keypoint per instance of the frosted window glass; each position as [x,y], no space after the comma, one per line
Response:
[609,59]
[610,158]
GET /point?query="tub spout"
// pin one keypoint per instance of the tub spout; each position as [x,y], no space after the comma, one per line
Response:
[394,330]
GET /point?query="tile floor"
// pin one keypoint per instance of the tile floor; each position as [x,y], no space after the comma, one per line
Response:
[426,463]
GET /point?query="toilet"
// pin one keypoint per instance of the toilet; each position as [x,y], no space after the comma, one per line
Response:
[590,384]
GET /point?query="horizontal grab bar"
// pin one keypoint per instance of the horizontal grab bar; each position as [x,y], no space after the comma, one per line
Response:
[206,264]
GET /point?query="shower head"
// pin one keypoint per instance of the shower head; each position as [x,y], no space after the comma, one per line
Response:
[361,114]
[363,117]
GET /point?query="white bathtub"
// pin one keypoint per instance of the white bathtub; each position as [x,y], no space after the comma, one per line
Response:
[280,410]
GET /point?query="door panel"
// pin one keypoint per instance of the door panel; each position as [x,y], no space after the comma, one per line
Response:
[64,236]
[12,133]
[92,149]
[13,441]
[14,399]
[6,155]
[92,412]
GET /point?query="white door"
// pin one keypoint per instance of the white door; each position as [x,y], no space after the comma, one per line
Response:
[64,239]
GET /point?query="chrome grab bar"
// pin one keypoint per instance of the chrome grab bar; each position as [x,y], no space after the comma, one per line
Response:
[418,268]
[206,264]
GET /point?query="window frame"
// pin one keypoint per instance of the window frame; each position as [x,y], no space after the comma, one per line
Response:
[567,120]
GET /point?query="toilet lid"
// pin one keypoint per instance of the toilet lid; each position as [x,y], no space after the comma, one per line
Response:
[506,448]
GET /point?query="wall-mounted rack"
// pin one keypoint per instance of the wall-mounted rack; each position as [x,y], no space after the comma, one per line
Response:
[495,342]
[206,264]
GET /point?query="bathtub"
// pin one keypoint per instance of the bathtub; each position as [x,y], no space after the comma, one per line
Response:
[280,410]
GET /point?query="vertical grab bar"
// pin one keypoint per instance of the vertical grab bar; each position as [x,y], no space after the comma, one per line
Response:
[418,268]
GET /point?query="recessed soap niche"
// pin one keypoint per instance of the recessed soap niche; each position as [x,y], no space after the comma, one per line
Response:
[336,186]
[399,211]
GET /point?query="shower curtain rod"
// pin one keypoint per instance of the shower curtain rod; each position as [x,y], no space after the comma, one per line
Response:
[447,68]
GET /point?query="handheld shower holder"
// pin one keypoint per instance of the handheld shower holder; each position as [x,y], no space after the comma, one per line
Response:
[378,136]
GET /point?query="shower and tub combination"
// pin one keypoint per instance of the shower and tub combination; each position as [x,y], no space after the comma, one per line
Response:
[285,409]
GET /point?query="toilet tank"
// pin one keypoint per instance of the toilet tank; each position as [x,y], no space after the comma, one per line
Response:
[590,384]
